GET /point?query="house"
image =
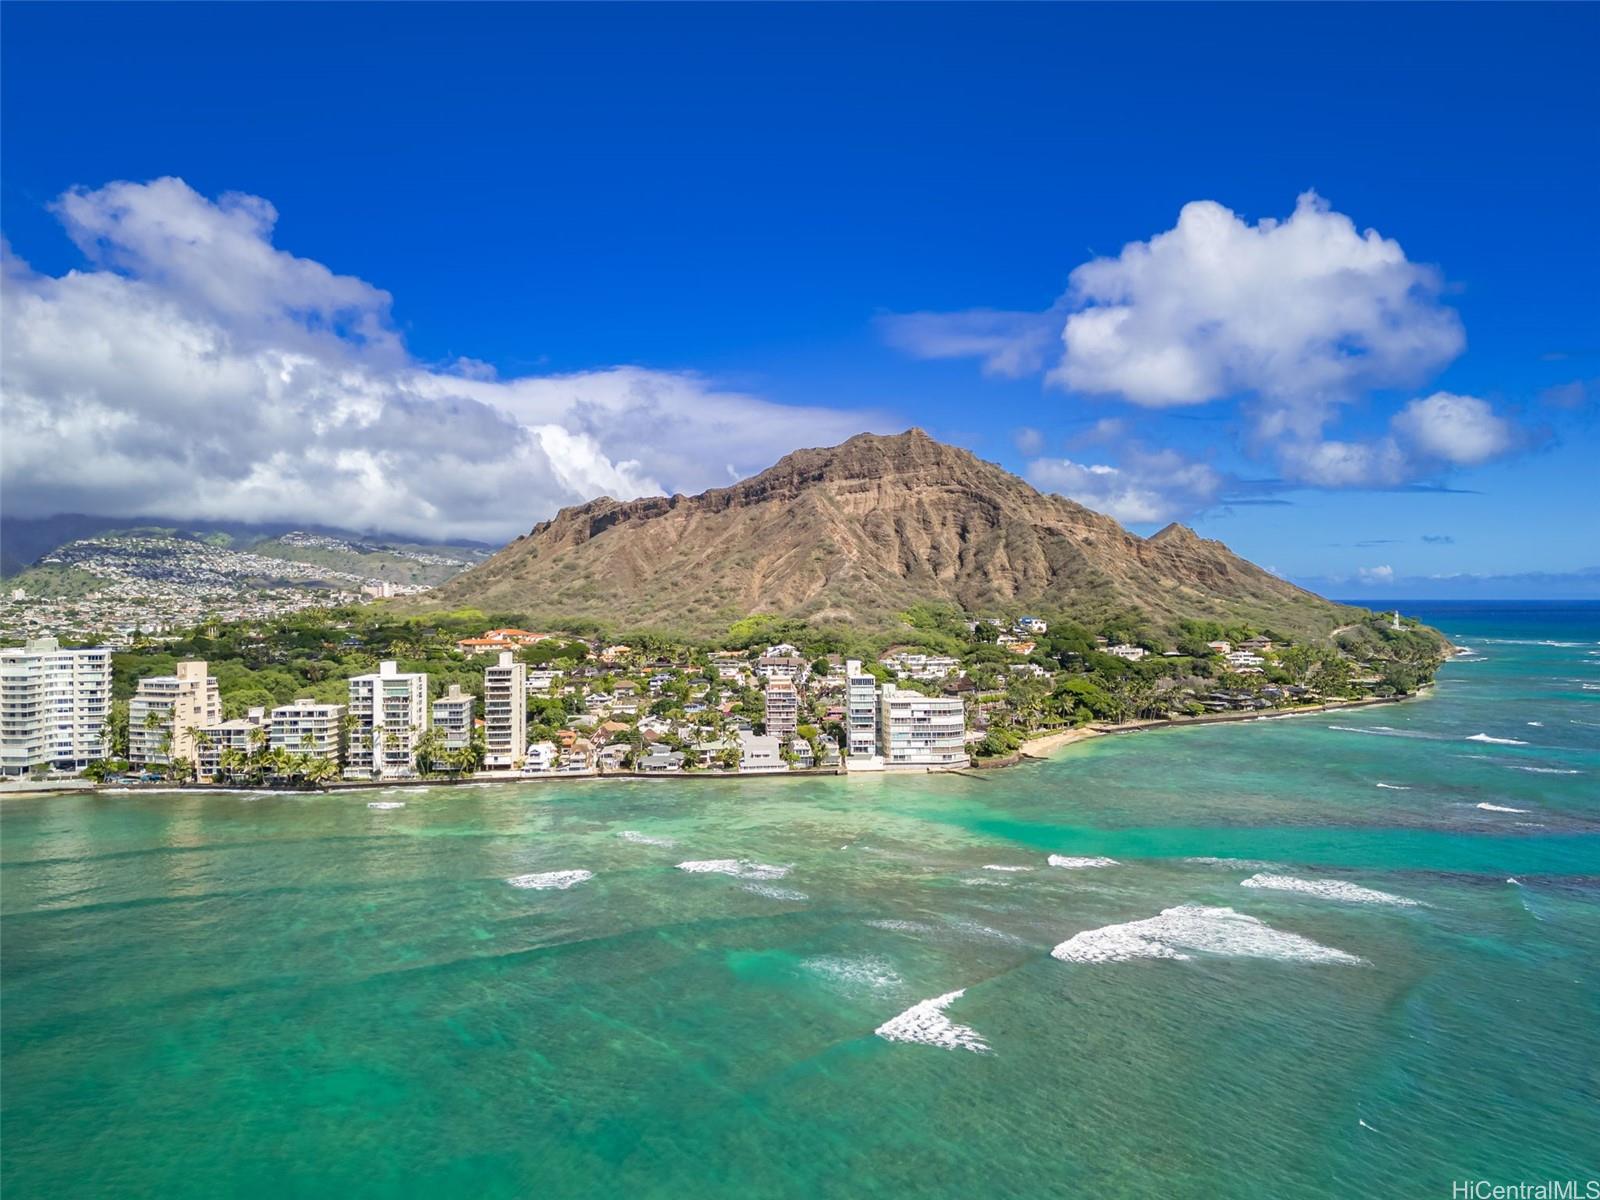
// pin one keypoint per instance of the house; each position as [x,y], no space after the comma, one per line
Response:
[804,756]
[1031,625]
[541,756]
[709,754]
[540,682]
[760,754]
[518,637]
[660,759]
[1219,647]
[782,666]
[1127,652]
[480,645]
[609,758]
[1256,645]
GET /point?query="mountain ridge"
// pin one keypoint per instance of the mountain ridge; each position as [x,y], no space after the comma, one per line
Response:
[859,532]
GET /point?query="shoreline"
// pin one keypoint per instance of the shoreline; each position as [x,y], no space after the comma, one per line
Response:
[1040,748]
[1035,749]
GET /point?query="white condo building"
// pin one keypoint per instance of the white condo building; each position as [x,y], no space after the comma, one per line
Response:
[244,734]
[307,727]
[54,705]
[505,713]
[861,716]
[388,713]
[452,718]
[783,708]
[922,731]
[165,712]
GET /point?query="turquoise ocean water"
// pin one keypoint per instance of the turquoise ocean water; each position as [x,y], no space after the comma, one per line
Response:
[251,995]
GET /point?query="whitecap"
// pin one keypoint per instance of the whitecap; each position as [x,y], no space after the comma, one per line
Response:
[1484,737]
[1487,807]
[1544,770]
[854,974]
[775,893]
[644,839]
[1080,862]
[897,926]
[551,879]
[1199,928]
[386,804]
[925,1024]
[1537,724]
[1384,731]
[1393,787]
[1326,889]
[739,868]
[1003,867]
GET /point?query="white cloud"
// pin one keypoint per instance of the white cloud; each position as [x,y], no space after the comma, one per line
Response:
[1297,317]
[1148,487]
[1010,344]
[1460,430]
[198,371]
[1380,575]
[1028,439]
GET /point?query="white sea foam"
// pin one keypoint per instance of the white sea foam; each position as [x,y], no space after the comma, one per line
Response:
[925,1024]
[1487,807]
[1545,770]
[1326,889]
[1393,787]
[739,868]
[898,926]
[982,881]
[386,804]
[1484,737]
[1199,928]
[1003,867]
[855,974]
[1080,863]
[550,879]
[1537,724]
[1384,731]
[775,893]
[1237,864]
[644,839]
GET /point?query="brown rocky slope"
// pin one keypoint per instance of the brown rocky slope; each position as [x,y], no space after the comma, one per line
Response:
[855,534]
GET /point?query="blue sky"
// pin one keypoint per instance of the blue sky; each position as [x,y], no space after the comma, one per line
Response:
[494,259]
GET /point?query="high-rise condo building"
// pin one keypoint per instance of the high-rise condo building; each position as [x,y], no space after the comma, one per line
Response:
[783,708]
[921,731]
[307,727]
[452,718]
[388,713]
[861,715]
[54,706]
[505,713]
[166,713]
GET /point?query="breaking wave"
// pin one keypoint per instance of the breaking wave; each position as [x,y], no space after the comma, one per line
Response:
[1237,864]
[1385,731]
[1393,787]
[1545,770]
[1494,741]
[1003,867]
[1198,928]
[386,804]
[875,974]
[897,926]
[1327,889]
[550,879]
[1487,807]
[925,1024]
[1080,863]
[739,868]
[644,839]
[774,893]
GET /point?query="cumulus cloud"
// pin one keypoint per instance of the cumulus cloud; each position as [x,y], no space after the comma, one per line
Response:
[1379,575]
[1295,317]
[1147,487]
[198,370]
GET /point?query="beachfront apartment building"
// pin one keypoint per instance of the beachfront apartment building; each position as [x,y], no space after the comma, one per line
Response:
[921,731]
[243,734]
[861,716]
[452,718]
[309,728]
[54,706]
[388,713]
[167,711]
[783,708]
[505,713]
